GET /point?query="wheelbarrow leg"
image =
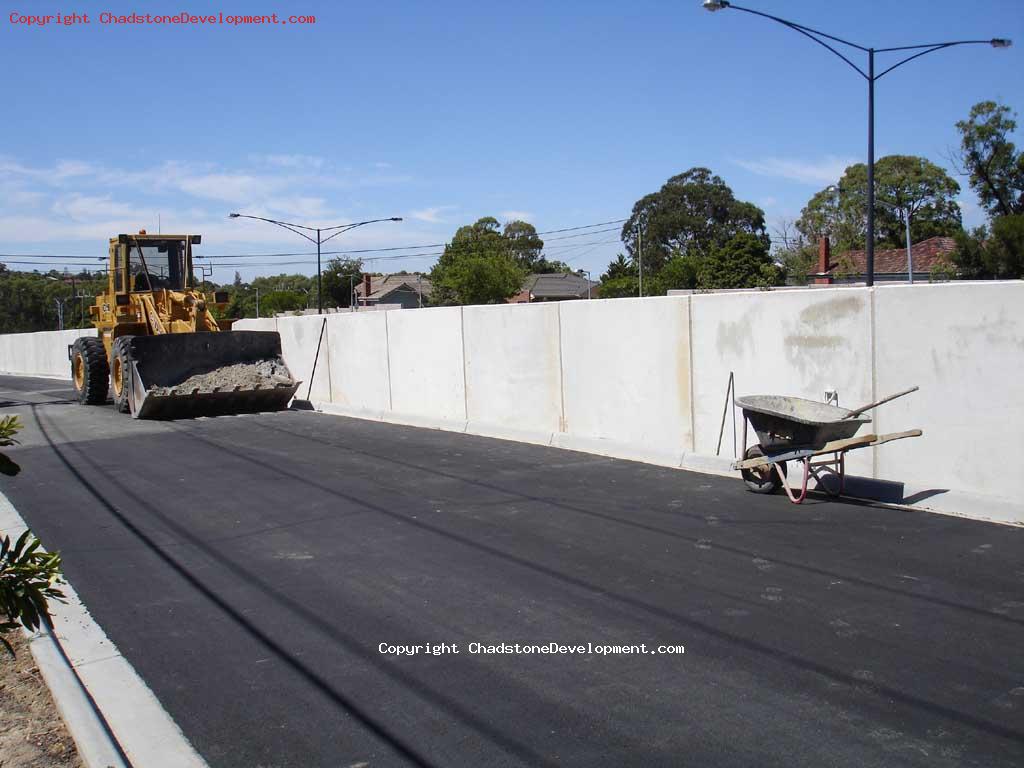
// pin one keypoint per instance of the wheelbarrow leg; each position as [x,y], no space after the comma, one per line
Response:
[803,488]
[837,468]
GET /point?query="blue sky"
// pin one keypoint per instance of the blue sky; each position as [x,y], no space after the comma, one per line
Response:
[563,113]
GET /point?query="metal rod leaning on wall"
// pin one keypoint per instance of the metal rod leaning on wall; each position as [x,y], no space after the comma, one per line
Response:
[323,327]
[307,404]
[730,396]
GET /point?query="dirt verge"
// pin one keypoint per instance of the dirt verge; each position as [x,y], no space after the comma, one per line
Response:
[32,733]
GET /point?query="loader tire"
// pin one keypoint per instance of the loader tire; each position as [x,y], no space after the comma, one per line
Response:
[89,370]
[120,373]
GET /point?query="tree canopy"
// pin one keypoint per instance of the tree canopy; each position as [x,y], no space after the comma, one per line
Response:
[680,230]
[28,300]
[692,213]
[902,183]
[483,265]
[996,171]
[995,167]
[338,279]
[742,262]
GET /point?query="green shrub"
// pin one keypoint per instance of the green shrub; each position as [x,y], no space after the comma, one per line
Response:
[28,578]
[9,426]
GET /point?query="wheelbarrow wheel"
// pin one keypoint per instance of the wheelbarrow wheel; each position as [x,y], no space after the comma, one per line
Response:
[762,479]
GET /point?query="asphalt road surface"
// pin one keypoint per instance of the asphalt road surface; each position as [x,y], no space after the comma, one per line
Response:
[251,567]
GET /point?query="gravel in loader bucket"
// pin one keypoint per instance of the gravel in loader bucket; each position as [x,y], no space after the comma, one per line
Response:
[184,375]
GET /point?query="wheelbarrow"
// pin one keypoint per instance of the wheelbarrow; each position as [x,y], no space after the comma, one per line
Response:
[794,429]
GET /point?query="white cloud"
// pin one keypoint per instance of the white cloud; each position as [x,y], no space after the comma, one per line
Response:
[292,161]
[72,206]
[516,215]
[87,208]
[228,187]
[821,172]
[432,215]
[56,175]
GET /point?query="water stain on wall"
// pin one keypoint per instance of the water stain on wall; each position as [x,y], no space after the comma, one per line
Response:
[833,309]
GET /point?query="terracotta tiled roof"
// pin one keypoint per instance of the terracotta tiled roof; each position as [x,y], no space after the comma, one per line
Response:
[894,261]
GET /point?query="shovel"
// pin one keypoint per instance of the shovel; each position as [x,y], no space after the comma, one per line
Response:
[875,404]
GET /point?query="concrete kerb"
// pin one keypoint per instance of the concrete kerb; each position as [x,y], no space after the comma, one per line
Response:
[113,716]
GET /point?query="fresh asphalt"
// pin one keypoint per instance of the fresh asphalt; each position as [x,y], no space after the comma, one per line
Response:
[250,567]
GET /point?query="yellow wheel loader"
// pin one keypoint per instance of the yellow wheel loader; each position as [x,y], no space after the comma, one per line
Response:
[159,348]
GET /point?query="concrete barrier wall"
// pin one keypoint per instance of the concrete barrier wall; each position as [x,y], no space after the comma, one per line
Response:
[300,337]
[256,324]
[626,376]
[963,344]
[425,360]
[357,345]
[798,343]
[646,378]
[39,354]
[513,370]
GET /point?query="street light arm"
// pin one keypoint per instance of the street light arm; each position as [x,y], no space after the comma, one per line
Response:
[795,25]
[287,225]
[342,228]
[934,45]
[809,33]
[927,49]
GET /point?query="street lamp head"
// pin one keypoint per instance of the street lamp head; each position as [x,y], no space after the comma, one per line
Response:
[1001,42]
[396,218]
[715,5]
[234,215]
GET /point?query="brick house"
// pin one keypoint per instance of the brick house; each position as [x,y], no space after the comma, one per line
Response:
[890,263]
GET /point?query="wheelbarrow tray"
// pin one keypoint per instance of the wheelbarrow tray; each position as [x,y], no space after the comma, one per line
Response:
[790,423]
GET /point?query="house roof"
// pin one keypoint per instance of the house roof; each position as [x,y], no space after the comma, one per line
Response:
[557,285]
[894,261]
[382,285]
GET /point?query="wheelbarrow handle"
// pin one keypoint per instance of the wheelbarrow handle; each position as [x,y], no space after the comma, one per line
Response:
[869,406]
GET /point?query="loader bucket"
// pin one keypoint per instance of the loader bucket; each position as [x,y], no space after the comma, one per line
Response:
[184,375]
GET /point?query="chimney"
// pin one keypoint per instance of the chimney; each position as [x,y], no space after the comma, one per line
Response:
[824,262]
[366,288]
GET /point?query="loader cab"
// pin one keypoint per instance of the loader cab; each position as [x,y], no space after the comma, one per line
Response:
[146,263]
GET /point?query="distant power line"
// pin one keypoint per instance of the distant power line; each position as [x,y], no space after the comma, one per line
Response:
[329,253]
[220,263]
[234,261]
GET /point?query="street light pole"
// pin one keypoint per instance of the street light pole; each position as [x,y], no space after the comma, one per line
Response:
[821,39]
[337,230]
[640,259]
[910,256]
[587,273]
[906,213]
[870,245]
